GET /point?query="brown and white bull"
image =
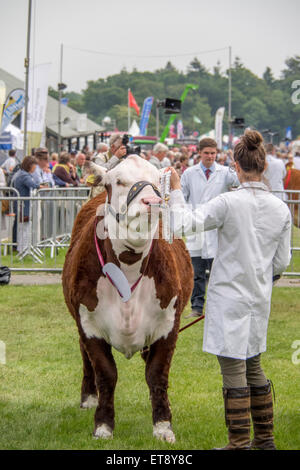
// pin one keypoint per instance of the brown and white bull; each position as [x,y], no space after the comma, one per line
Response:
[292,181]
[119,229]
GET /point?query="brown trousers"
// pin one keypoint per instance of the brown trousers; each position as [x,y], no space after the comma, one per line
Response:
[238,373]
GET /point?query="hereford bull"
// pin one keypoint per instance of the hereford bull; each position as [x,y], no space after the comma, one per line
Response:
[292,181]
[120,229]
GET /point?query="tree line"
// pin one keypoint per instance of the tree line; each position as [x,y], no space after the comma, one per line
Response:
[264,103]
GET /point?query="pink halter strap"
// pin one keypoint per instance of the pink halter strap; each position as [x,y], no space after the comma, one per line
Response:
[100,257]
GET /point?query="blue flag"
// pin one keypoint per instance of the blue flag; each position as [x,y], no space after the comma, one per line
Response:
[145,115]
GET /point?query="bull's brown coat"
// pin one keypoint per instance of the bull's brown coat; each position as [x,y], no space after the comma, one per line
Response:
[171,269]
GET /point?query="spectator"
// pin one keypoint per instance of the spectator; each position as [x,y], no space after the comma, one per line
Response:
[115,142]
[53,160]
[290,162]
[85,149]
[2,178]
[184,161]
[80,161]
[10,162]
[101,148]
[65,171]
[275,172]
[200,184]
[158,155]
[23,181]
[42,175]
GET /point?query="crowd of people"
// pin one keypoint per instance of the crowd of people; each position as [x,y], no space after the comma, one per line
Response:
[77,168]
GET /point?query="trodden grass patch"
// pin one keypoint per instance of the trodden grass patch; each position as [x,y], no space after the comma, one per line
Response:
[40,382]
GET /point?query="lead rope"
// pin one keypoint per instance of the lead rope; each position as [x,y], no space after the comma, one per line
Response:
[147,348]
[165,183]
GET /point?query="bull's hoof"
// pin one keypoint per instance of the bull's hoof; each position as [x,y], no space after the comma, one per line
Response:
[163,432]
[89,401]
[103,432]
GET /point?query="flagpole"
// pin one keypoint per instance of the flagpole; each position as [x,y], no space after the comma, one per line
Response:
[129,114]
[230,98]
[26,77]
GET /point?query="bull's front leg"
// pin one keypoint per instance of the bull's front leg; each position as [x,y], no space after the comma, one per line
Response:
[105,370]
[157,376]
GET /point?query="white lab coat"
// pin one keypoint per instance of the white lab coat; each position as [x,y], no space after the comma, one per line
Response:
[198,190]
[254,230]
[275,174]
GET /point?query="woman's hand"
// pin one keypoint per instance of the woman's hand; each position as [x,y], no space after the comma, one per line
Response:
[175,179]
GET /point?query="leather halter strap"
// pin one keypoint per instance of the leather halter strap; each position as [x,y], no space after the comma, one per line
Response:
[133,192]
[137,188]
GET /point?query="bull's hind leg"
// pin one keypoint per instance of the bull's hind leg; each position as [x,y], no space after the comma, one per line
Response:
[89,396]
[157,375]
[105,370]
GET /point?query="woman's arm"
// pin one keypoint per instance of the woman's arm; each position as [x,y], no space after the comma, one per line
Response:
[283,253]
[186,221]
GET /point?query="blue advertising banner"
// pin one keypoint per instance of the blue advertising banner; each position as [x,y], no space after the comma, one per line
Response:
[6,141]
[145,115]
[14,104]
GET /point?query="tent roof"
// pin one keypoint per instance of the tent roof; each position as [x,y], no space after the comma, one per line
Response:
[67,130]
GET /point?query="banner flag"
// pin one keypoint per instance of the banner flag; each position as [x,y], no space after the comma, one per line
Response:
[37,104]
[288,134]
[219,127]
[132,103]
[6,141]
[2,98]
[13,105]
[147,106]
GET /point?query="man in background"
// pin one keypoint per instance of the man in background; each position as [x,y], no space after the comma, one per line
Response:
[201,183]
[158,155]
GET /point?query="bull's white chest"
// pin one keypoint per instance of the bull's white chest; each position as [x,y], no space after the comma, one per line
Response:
[129,326]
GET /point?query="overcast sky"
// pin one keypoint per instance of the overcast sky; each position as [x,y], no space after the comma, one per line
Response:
[138,32]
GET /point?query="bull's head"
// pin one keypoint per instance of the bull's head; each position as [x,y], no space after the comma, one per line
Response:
[133,198]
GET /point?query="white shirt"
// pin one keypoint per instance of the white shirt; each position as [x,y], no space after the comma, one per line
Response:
[9,164]
[275,174]
[198,190]
[254,229]
[2,178]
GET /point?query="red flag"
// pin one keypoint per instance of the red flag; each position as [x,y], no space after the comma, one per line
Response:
[132,103]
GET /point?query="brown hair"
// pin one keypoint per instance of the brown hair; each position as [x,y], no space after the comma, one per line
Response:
[28,163]
[250,152]
[269,148]
[207,142]
[64,158]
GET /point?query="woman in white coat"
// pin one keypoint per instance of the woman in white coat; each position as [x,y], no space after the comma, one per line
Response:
[253,246]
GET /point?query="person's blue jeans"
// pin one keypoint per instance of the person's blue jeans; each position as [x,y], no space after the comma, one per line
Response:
[200,266]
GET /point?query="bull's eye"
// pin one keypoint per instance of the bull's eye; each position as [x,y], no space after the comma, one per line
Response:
[120,183]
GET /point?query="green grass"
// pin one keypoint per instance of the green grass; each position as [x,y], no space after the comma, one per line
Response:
[40,383]
[56,262]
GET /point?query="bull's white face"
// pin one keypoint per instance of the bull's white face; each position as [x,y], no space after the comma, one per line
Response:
[138,221]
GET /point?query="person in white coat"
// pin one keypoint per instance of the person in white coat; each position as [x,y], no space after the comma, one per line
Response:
[200,184]
[275,172]
[254,229]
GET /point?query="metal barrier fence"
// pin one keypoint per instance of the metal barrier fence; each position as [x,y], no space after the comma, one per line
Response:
[34,231]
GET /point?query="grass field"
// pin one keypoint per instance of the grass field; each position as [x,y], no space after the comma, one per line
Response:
[40,382]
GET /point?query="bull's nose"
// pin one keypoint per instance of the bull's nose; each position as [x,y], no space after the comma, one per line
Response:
[153,200]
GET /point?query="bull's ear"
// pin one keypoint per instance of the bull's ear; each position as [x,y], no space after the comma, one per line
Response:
[99,172]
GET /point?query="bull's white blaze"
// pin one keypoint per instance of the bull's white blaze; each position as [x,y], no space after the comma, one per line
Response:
[129,326]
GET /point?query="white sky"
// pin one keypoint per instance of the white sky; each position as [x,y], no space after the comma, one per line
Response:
[261,32]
